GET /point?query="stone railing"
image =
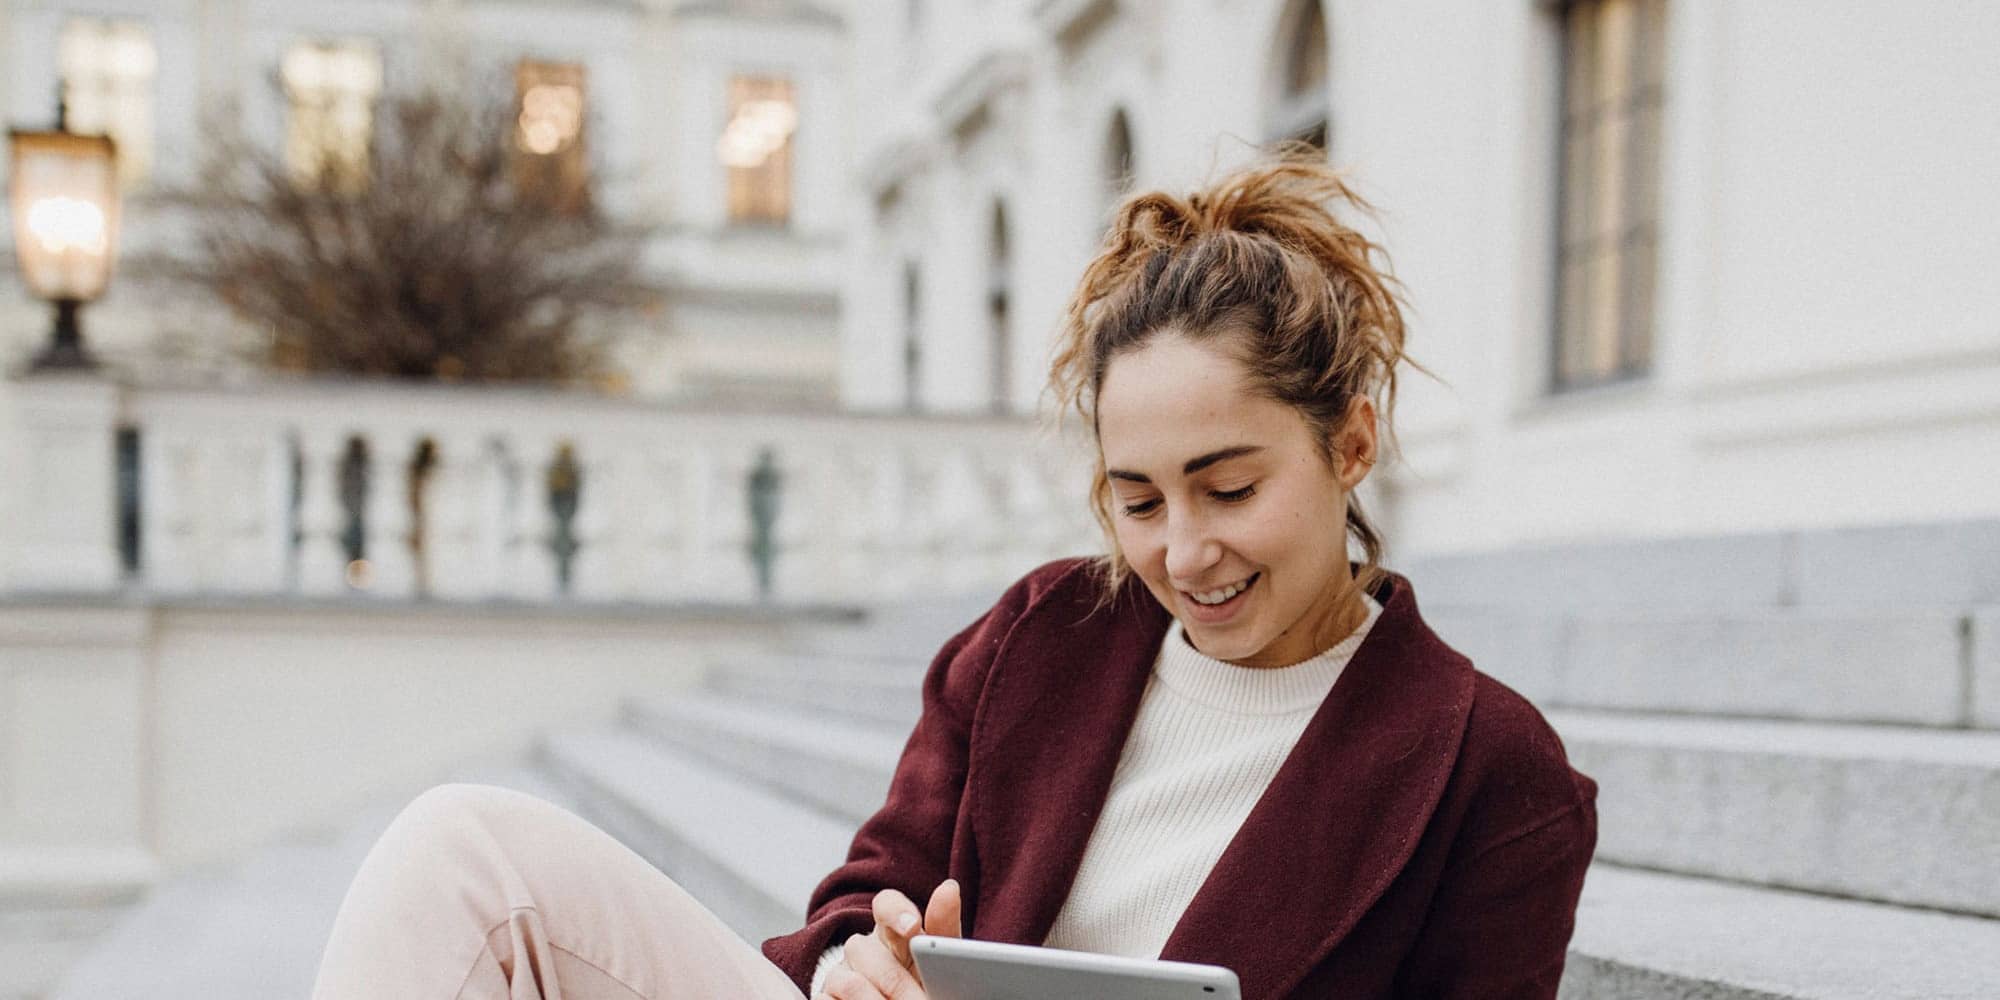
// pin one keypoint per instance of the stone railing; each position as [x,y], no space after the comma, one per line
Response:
[325,489]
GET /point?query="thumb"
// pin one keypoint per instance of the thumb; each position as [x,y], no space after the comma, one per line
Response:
[941,913]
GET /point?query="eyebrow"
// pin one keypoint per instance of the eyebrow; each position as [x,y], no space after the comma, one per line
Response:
[1193,465]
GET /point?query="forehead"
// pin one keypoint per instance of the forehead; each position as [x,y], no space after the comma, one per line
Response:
[1173,400]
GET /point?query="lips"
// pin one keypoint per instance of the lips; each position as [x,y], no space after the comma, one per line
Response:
[1216,613]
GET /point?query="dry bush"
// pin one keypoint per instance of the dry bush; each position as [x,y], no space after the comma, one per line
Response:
[454,255]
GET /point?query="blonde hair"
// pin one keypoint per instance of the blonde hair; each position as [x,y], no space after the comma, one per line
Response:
[1256,263]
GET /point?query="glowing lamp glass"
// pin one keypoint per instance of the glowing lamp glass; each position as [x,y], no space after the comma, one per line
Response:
[64,191]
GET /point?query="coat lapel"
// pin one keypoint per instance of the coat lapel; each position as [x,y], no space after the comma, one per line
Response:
[1343,814]
[1052,725]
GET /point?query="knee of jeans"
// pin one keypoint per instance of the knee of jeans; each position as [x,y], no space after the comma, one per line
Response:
[448,809]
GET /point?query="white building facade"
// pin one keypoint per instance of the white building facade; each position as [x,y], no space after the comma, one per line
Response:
[748,255]
[1684,267]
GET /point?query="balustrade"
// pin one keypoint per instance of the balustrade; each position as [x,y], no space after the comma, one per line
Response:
[394,492]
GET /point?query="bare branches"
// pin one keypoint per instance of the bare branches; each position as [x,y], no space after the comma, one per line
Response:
[456,255]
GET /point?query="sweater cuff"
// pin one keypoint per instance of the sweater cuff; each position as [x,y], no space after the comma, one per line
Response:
[827,960]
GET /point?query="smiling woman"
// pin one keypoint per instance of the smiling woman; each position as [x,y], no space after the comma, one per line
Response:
[1238,541]
[1228,349]
[1222,742]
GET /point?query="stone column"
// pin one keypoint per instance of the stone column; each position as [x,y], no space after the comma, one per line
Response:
[66,518]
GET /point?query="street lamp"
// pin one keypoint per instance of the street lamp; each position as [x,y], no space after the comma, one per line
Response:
[65,207]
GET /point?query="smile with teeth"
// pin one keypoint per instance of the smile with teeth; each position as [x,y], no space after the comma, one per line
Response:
[1219,596]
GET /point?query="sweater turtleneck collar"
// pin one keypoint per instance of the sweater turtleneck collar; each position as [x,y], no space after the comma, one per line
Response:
[1256,690]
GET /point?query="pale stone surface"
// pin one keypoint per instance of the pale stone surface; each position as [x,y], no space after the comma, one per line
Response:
[253,926]
[1897,815]
[1522,649]
[889,695]
[753,864]
[1657,574]
[1646,935]
[1873,665]
[836,764]
[65,491]
[1913,565]
[1984,669]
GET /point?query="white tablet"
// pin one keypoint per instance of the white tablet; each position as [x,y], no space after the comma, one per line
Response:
[956,969]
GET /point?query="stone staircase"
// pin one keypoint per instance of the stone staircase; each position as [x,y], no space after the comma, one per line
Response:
[1796,739]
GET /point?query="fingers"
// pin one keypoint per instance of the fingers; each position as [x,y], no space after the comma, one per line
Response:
[873,961]
[941,914]
[896,919]
[843,983]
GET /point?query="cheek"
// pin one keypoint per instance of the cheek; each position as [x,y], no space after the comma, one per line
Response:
[1134,541]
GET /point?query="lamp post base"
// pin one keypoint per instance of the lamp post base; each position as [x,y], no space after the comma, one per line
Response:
[65,352]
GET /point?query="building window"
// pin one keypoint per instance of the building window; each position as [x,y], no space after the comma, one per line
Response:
[549,159]
[107,72]
[1301,110]
[1613,60]
[331,87]
[756,147]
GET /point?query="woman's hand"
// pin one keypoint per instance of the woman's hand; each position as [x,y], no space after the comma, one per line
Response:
[877,966]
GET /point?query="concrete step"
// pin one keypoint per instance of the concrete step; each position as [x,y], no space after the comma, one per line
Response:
[1912,565]
[1880,813]
[1641,935]
[1892,814]
[41,941]
[751,856]
[889,694]
[57,901]
[905,629]
[1858,665]
[255,926]
[840,765]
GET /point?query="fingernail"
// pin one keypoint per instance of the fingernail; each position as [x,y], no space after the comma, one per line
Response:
[906,923]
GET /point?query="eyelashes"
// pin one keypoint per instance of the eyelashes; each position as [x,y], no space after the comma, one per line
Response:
[1228,496]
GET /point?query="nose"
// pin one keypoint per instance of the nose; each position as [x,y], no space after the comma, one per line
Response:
[1191,549]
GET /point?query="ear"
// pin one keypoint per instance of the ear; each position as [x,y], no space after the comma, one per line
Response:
[1355,444]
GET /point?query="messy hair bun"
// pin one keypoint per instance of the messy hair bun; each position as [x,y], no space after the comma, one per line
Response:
[1256,261]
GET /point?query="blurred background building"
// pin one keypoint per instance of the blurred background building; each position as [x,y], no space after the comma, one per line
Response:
[1709,286]
[721,127]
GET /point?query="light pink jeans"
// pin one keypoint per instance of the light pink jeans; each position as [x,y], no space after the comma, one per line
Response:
[476,891]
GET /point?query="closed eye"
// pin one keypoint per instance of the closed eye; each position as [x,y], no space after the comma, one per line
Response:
[1226,496]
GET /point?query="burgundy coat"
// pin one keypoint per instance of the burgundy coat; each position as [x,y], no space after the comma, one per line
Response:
[1426,838]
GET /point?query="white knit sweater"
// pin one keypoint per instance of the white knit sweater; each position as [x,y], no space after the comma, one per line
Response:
[1208,738]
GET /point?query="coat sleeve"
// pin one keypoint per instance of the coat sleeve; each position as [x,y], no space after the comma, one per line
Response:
[907,844]
[1500,923]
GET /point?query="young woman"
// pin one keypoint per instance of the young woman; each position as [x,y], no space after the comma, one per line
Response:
[1222,742]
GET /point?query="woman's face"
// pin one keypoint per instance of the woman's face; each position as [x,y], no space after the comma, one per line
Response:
[1212,486]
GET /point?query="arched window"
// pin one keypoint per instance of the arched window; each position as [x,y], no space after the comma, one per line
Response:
[998,285]
[1299,109]
[1118,162]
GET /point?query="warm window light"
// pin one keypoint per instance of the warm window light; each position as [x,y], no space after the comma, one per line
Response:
[760,128]
[551,117]
[332,88]
[108,67]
